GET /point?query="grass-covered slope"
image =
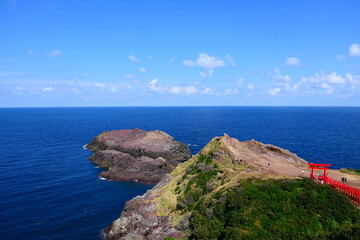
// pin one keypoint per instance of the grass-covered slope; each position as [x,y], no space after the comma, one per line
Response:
[219,194]
[217,199]
[275,209]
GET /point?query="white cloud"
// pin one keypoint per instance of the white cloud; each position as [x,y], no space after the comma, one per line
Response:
[48,89]
[274,91]
[176,90]
[354,50]
[240,81]
[355,80]
[54,53]
[328,89]
[334,78]
[205,61]
[207,91]
[250,86]
[231,91]
[153,87]
[99,85]
[142,69]
[183,90]
[31,51]
[172,59]
[190,90]
[132,58]
[292,61]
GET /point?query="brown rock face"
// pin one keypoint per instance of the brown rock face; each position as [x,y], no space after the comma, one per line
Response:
[137,155]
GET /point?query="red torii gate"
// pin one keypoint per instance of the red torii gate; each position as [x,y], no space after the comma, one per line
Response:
[351,192]
[324,167]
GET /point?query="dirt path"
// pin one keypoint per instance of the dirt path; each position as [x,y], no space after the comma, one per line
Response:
[290,169]
[281,161]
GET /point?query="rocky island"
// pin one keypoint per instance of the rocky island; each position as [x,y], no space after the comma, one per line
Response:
[238,190]
[137,155]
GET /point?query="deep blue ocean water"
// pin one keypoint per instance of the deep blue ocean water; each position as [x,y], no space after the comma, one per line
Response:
[49,190]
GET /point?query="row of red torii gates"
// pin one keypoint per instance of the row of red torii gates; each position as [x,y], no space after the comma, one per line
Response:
[352,193]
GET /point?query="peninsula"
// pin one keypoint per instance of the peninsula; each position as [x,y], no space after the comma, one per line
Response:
[239,190]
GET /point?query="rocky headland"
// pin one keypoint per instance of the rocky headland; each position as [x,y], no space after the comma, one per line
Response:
[137,155]
[237,190]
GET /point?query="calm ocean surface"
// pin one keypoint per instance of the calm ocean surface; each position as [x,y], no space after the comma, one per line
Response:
[49,190]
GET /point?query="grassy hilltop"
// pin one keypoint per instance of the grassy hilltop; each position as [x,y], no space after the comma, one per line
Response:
[219,194]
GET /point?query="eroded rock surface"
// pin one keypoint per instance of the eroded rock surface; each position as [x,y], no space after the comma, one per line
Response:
[137,155]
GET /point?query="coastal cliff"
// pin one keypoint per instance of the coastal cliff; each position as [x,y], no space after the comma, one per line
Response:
[237,190]
[137,155]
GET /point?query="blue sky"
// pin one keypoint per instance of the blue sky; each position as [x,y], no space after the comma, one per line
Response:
[179,53]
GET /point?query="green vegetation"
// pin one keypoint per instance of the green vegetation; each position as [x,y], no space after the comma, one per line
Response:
[350,171]
[276,209]
[210,197]
[201,176]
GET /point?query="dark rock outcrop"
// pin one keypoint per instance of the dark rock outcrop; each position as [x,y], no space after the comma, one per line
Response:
[137,155]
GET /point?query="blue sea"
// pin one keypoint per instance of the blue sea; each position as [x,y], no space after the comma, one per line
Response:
[49,190]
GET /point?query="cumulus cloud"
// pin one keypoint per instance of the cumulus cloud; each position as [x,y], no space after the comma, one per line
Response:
[355,80]
[48,89]
[176,90]
[274,91]
[292,61]
[190,90]
[332,78]
[205,61]
[354,50]
[54,53]
[207,91]
[153,85]
[142,70]
[132,58]
[183,90]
